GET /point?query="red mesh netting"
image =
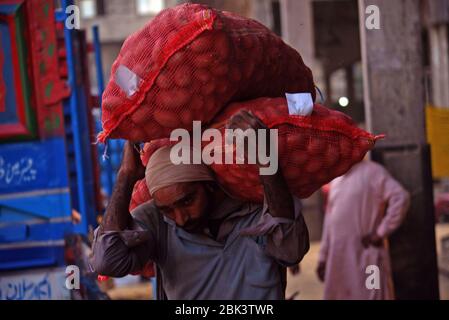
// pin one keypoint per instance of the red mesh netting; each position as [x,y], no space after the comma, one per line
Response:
[313,149]
[140,194]
[188,63]
[147,271]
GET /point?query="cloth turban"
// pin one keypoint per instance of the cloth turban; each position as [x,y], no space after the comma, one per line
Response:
[161,172]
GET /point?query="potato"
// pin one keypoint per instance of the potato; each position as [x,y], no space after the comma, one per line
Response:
[220,70]
[253,175]
[166,118]
[176,59]
[299,157]
[345,147]
[141,113]
[182,76]
[331,155]
[291,172]
[296,141]
[322,176]
[111,102]
[196,103]
[173,99]
[202,74]
[222,86]
[248,69]
[208,88]
[313,165]
[247,41]
[186,116]
[221,45]
[316,145]
[259,75]
[209,105]
[163,80]
[203,43]
[235,74]
[204,60]
[137,134]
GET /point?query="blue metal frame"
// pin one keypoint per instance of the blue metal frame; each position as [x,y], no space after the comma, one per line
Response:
[76,110]
[35,203]
[106,167]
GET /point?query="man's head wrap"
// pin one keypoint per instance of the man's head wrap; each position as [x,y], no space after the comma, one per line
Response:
[161,172]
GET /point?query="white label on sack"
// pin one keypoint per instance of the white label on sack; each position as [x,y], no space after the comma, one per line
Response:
[300,104]
[127,80]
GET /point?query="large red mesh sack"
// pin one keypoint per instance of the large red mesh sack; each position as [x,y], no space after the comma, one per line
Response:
[313,149]
[189,62]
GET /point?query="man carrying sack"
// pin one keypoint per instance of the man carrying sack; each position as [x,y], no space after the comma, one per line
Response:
[206,244]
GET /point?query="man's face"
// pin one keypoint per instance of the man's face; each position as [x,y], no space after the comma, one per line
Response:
[186,203]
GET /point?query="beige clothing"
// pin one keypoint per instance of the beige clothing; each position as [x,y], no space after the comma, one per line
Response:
[161,172]
[367,198]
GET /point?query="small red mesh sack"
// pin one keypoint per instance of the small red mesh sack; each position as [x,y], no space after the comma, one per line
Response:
[313,149]
[188,63]
[147,271]
[139,196]
[140,193]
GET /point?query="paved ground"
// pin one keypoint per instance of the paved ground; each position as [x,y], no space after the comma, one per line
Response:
[310,288]
[141,291]
[306,285]
[442,230]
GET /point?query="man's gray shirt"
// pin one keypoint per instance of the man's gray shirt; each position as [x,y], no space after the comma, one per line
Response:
[241,263]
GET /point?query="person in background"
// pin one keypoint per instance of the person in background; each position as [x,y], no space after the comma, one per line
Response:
[365,206]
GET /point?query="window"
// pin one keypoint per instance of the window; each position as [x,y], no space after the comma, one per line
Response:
[88,9]
[149,6]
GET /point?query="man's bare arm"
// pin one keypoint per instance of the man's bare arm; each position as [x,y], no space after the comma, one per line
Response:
[278,196]
[117,217]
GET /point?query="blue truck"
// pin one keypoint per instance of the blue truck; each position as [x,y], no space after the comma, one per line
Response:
[52,188]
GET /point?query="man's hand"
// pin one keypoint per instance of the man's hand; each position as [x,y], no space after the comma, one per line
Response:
[372,239]
[277,194]
[321,270]
[131,163]
[244,120]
